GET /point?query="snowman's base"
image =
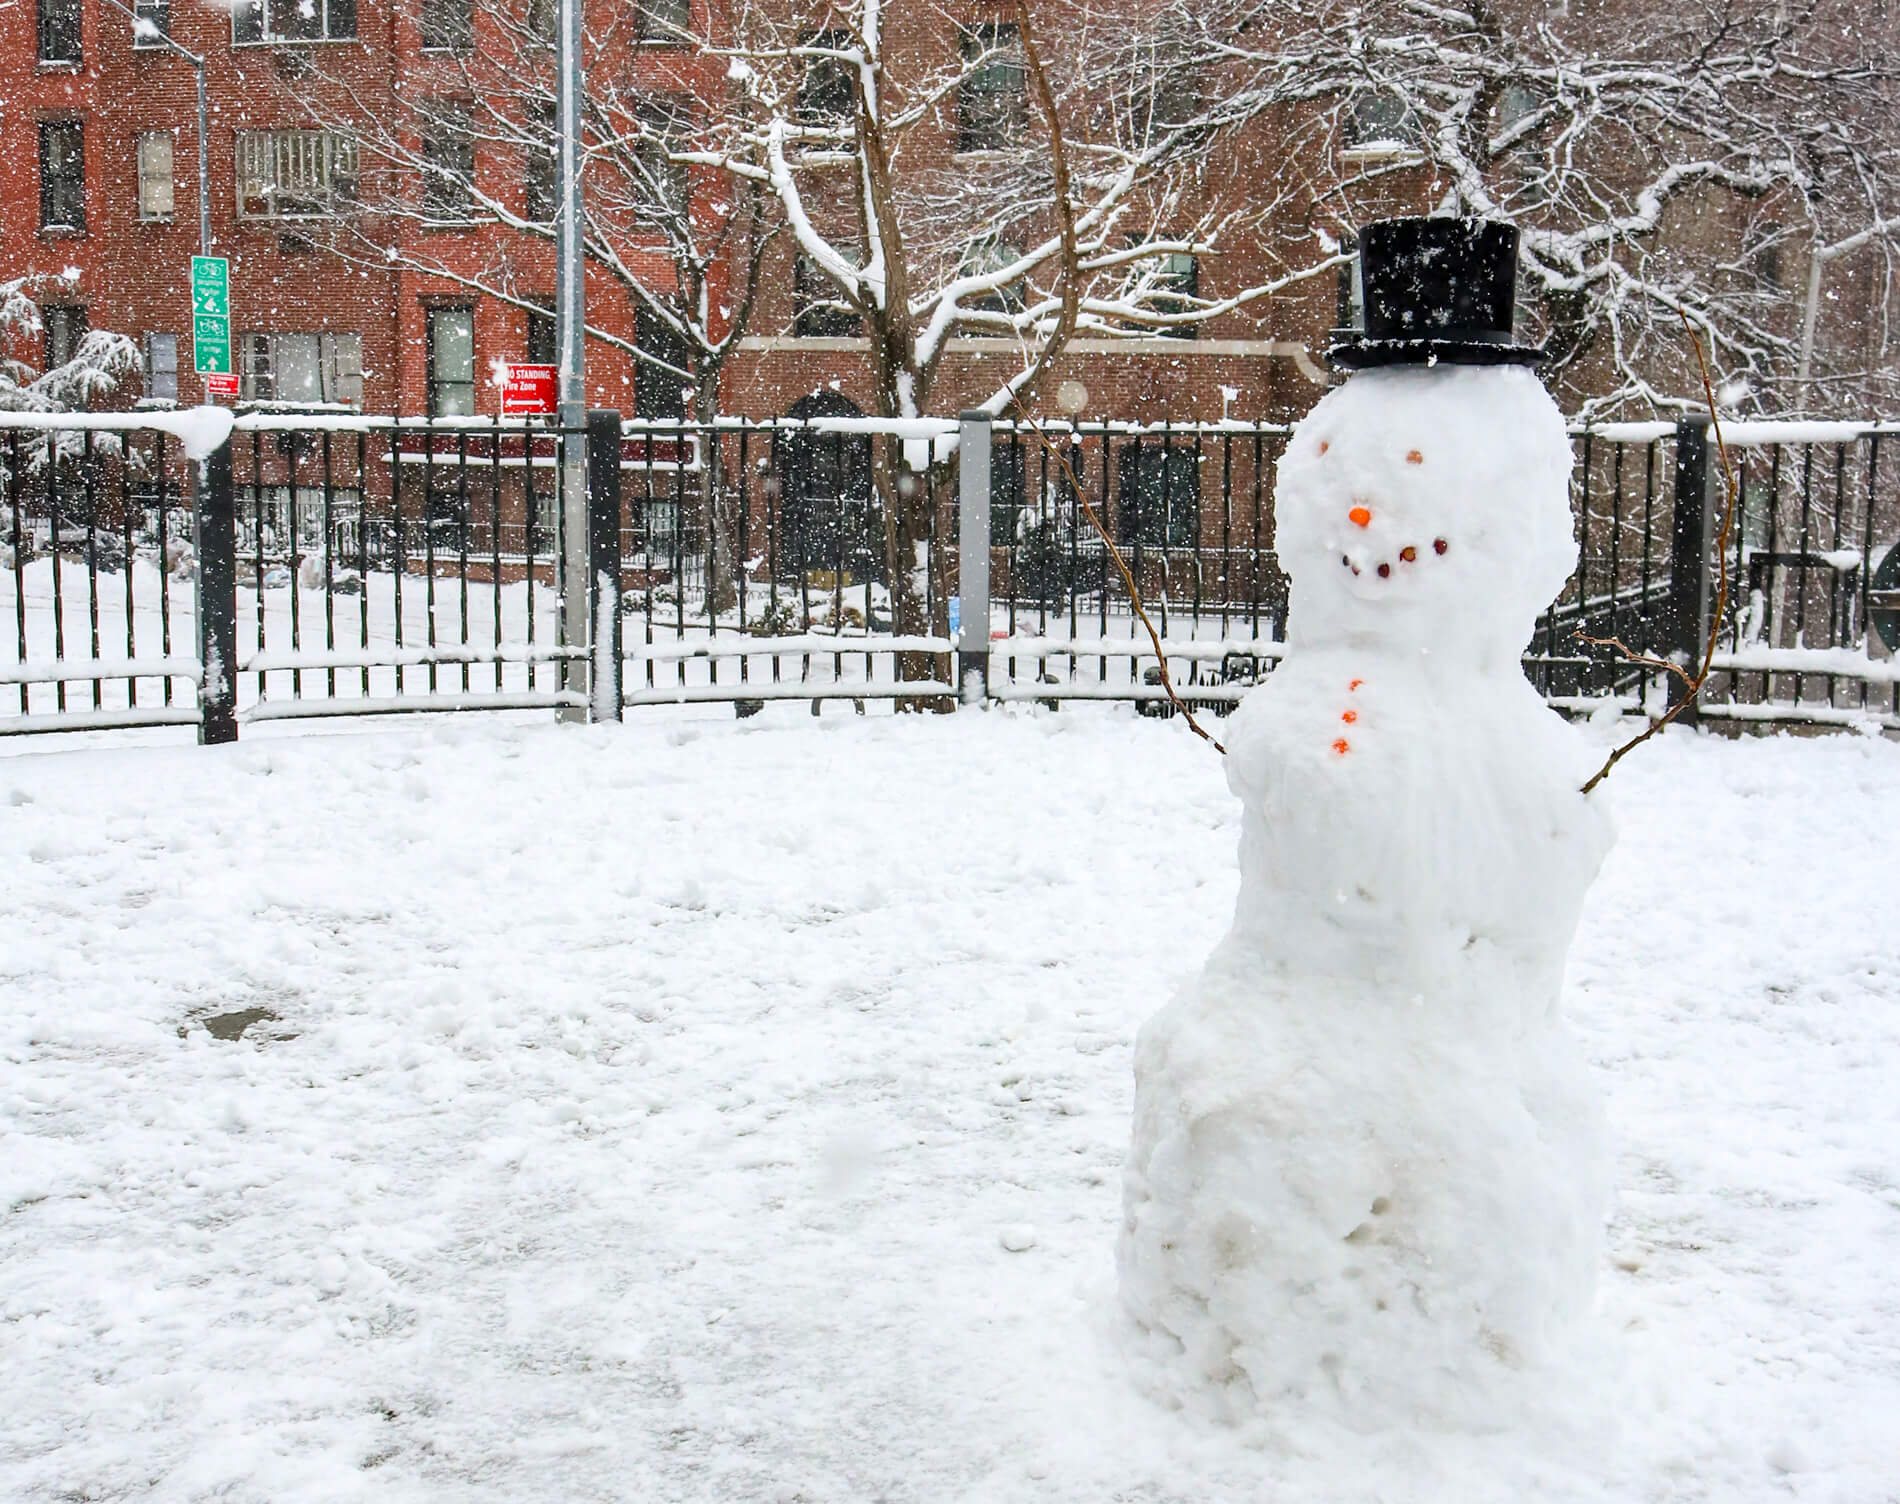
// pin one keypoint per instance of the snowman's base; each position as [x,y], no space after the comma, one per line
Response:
[1337,1199]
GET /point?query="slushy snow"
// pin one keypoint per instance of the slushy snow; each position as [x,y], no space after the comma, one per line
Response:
[1367,1167]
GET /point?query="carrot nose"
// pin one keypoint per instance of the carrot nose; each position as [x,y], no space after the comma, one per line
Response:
[1360,517]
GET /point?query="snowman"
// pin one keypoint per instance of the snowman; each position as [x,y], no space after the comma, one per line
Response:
[1366,1168]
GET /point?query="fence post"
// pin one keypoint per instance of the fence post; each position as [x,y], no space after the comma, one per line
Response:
[214,525]
[1686,616]
[973,556]
[603,549]
[577,586]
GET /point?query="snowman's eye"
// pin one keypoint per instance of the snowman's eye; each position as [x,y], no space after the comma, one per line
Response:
[1414,458]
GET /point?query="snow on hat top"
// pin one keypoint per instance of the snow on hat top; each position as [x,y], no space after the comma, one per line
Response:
[1426,508]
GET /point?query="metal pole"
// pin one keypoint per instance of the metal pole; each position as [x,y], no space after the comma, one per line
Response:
[973,556]
[1686,621]
[603,505]
[570,313]
[214,527]
[204,164]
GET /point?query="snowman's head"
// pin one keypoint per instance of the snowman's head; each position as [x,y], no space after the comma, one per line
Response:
[1426,507]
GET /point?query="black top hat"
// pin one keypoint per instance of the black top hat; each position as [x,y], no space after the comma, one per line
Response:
[1435,290]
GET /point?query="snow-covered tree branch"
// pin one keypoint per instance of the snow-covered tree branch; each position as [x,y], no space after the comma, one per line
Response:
[100,360]
[1659,162]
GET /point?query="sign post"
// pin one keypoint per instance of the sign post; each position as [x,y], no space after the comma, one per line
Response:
[211,315]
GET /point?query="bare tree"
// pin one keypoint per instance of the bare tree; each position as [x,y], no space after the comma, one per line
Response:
[986,180]
[470,140]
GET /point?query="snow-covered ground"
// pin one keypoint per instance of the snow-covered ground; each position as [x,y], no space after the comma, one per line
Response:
[643,1114]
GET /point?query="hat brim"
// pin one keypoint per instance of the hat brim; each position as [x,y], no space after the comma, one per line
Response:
[1362,353]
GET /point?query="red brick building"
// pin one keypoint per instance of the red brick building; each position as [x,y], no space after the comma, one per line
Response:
[108,117]
[109,221]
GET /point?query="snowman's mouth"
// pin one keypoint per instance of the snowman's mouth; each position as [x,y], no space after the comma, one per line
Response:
[1384,568]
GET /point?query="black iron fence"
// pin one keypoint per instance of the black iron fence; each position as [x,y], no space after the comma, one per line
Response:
[164,571]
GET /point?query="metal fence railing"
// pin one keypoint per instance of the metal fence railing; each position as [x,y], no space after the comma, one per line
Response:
[340,564]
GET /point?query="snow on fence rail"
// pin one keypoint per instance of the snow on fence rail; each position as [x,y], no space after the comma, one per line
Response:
[380,564]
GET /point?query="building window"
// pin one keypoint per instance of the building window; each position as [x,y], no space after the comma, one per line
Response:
[1166,97]
[1350,311]
[151,22]
[1767,259]
[448,161]
[663,20]
[1517,104]
[659,393]
[300,368]
[1177,287]
[828,93]
[155,174]
[822,312]
[448,25]
[451,362]
[542,200]
[63,176]
[544,346]
[1160,495]
[293,21]
[1380,121]
[663,190]
[161,367]
[992,110]
[295,174]
[63,327]
[983,259]
[59,31]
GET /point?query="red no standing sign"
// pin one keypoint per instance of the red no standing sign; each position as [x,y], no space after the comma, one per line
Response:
[527,389]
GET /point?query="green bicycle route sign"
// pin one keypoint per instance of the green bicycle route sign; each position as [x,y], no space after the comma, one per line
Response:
[211,314]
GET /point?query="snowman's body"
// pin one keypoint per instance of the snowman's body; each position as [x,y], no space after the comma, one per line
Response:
[1366,1160]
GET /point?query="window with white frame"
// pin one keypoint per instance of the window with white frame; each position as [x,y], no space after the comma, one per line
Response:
[300,368]
[161,367]
[254,21]
[451,362]
[155,174]
[294,174]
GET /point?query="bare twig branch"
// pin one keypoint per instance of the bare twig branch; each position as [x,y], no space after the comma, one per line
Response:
[1692,685]
[1128,580]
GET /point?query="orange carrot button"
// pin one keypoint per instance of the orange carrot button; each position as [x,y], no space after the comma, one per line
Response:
[1342,746]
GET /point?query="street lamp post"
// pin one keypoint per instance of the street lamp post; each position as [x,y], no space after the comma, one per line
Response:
[570,336]
[144,31]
